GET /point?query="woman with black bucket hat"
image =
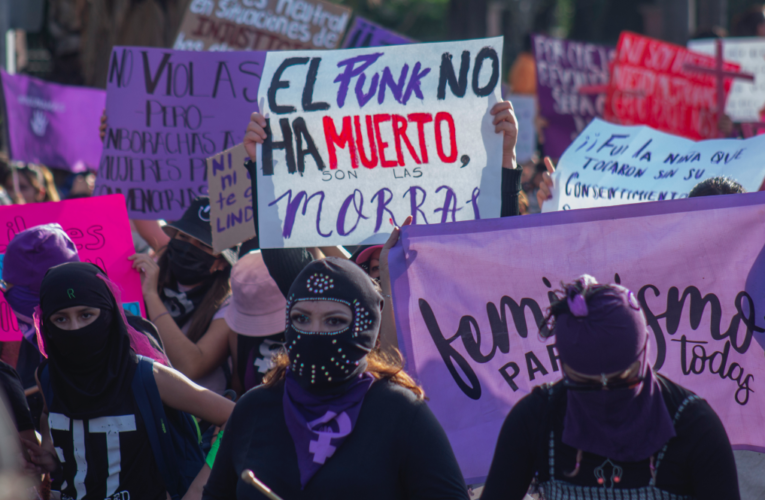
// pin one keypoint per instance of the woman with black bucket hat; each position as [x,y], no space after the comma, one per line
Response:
[186,294]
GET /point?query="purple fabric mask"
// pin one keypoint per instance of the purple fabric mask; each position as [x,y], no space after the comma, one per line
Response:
[319,424]
[605,335]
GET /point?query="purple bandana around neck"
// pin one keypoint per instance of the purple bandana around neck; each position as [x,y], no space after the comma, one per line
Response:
[319,424]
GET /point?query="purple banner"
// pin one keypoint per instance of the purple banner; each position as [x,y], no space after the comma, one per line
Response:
[563,67]
[168,111]
[54,125]
[468,326]
[365,33]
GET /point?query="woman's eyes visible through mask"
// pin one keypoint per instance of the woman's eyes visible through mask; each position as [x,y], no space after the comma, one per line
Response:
[74,318]
[300,319]
[336,322]
[320,322]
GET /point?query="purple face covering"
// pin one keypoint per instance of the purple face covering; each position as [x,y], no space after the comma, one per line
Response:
[320,424]
[604,334]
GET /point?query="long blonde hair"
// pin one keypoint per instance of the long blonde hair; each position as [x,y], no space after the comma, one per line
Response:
[382,366]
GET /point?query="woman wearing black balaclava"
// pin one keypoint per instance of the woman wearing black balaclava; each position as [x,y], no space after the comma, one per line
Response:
[186,294]
[334,418]
[94,438]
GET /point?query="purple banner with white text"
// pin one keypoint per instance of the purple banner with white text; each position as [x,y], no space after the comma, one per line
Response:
[563,67]
[54,125]
[168,111]
[468,302]
[365,33]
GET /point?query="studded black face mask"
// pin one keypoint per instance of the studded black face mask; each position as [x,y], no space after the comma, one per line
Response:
[323,359]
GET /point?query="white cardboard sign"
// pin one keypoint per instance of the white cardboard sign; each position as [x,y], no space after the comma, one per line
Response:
[746,99]
[360,138]
[615,165]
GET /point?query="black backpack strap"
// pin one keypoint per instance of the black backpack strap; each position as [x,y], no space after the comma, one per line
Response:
[146,395]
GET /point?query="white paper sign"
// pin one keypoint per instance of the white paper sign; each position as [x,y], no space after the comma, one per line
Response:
[525,108]
[746,99]
[361,137]
[615,165]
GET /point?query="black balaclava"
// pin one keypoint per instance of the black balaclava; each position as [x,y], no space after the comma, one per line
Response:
[325,359]
[89,367]
[190,265]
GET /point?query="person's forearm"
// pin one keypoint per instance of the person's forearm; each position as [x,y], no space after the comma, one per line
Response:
[184,354]
[509,160]
[152,232]
[511,188]
[315,252]
[196,489]
[337,251]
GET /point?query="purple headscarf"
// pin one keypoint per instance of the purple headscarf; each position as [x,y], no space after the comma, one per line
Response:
[603,331]
[28,257]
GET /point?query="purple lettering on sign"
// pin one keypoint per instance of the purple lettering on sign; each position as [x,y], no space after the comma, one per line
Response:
[469,328]
[168,111]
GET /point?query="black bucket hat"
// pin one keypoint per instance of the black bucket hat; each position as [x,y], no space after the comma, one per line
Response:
[195,222]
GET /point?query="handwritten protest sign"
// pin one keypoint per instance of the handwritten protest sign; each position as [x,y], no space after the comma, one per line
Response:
[169,111]
[99,227]
[468,327]
[746,100]
[55,125]
[651,85]
[525,109]
[563,67]
[613,165]
[230,198]
[365,33]
[361,137]
[220,25]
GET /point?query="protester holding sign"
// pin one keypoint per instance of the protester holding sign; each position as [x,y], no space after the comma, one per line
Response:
[611,427]
[372,425]
[93,374]
[187,293]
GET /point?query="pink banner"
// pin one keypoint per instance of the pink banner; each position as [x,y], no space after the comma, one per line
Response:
[99,227]
[468,297]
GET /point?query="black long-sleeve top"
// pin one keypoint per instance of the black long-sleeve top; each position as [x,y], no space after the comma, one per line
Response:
[698,461]
[511,188]
[397,450]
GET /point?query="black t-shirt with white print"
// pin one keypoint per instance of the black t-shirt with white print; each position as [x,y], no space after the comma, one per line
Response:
[104,458]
